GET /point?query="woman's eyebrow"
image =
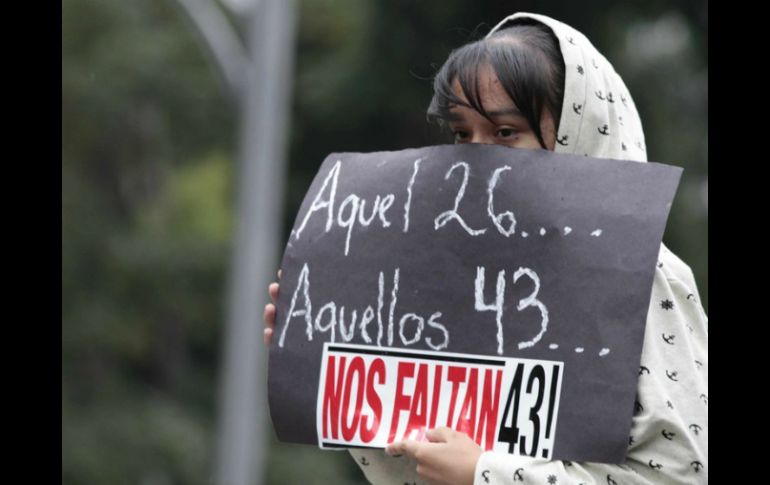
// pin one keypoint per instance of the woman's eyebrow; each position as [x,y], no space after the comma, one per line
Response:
[512,111]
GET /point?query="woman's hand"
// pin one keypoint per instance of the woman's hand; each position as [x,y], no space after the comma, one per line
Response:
[448,459]
[269,315]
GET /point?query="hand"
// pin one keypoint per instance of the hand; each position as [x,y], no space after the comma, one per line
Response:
[448,459]
[269,315]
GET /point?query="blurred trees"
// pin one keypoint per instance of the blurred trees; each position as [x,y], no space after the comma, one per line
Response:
[147,178]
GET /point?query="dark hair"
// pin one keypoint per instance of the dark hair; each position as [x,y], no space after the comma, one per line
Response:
[527,61]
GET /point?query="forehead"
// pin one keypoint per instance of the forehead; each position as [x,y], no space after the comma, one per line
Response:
[492,95]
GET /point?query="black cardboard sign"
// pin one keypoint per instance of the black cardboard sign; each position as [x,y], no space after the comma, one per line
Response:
[469,250]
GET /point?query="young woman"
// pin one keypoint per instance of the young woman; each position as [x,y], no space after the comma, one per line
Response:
[537,83]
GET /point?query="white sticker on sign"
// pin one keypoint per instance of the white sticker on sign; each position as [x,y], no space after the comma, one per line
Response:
[369,397]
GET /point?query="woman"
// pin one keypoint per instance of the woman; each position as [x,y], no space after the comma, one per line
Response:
[537,83]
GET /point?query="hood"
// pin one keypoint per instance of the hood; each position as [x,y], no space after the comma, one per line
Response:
[598,118]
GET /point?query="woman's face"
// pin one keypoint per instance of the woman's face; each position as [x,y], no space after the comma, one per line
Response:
[508,127]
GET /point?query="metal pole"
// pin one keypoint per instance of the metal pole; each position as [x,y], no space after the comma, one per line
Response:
[220,42]
[265,112]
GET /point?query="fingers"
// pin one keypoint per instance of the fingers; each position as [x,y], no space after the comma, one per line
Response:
[406,447]
[439,435]
[269,313]
[272,290]
[394,449]
[269,317]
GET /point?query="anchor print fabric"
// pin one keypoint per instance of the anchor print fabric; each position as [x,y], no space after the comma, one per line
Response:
[668,442]
[598,116]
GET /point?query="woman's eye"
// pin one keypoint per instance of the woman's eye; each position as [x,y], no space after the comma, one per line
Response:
[505,132]
[460,136]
